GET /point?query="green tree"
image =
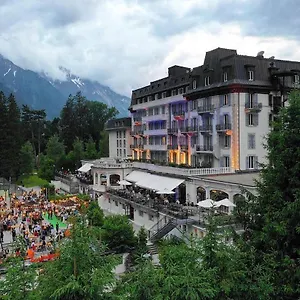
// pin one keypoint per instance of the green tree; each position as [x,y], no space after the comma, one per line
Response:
[55,149]
[4,151]
[13,143]
[90,152]
[275,229]
[47,168]
[95,214]
[104,144]
[118,233]
[77,153]
[27,158]
[83,271]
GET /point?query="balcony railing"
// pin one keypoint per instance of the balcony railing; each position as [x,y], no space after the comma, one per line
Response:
[179,115]
[205,109]
[182,171]
[172,147]
[253,107]
[137,132]
[137,119]
[172,130]
[223,127]
[188,129]
[205,148]
[206,128]
[133,146]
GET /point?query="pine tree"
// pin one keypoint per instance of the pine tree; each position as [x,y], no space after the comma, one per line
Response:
[276,211]
[13,142]
[4,161]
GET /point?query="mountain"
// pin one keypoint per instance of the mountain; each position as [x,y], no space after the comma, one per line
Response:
[40,92]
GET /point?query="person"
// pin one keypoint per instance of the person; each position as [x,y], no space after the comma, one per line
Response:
[57,227]
[13,233]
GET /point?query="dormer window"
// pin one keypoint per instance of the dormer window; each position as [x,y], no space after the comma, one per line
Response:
[225,77]
[156,96]
[296,79]
[250,75]
[194,84]
[206,81]
[173,92]
[164,94]
[180,91]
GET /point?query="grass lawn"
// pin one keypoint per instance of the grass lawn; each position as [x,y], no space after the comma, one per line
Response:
[54,220]
[31,181]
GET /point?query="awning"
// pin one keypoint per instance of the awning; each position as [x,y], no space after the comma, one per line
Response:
[159,183]
[85,168]
[135,176]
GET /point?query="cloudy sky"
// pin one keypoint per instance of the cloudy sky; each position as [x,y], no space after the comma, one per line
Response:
[128,43]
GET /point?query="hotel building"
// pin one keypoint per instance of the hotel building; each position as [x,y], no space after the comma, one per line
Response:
[213,116]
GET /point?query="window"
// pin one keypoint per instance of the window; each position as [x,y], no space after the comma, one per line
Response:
[227,141]
[206,81]
[180,91]
[194,104]
[226,161]
[156,110]
[163,110]
[124,134]
[225,76]
[251,141]
[117,152]
[226,119]
[251,162]
[250,75]
[186,89]
[194,84]
[296,79]
[124,143]
[151,217]
[164,94]
[251,100]
[117,143]
[124,152]
[173,92]
[226,101]
[117,134]
[117,203]
[156,96]
[252,120]
[141,213]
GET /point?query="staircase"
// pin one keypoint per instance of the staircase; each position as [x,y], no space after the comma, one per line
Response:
[152,249]
[163,231]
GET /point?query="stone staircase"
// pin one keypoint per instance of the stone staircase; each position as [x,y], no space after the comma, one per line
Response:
[152,248]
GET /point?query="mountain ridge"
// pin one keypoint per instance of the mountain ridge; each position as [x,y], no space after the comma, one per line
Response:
[39,91]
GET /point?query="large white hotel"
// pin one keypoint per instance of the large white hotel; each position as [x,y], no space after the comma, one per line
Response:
[215,115]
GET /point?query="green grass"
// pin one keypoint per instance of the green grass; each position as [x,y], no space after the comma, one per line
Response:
[31,181]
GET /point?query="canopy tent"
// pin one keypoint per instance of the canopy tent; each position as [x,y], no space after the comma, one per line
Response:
[135,176]
[208,203]
[225,202]
[158,183]
[85,168]
[165,192]
[124,182]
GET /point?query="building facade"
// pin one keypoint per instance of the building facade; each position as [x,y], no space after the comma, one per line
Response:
[119,134]
[215,115]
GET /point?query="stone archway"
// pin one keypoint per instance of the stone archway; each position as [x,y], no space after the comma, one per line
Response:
[102,179]
[201,193]
[238,198]
[218,195]
[114,179]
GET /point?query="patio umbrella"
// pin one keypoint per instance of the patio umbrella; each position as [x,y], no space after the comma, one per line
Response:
[124,182]
[208,203]
[225,202]
[165,192]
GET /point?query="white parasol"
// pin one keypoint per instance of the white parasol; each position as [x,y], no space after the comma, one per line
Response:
[208,203]
[225,202]
[124,182]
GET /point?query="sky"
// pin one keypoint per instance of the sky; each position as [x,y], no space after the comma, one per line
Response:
[125,44]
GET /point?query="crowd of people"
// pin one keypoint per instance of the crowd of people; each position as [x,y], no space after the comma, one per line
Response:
[38,222]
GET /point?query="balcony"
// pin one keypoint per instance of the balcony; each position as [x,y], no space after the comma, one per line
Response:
[206,109]
[137,132]
[204,149]
[188,129]
[159,131]
[136,146]
[253,107]
[156,147]
[181,171]
[173,131]
[223,127]
[155,118]
[179,115]
[206,128]
[137,119]
[172,147]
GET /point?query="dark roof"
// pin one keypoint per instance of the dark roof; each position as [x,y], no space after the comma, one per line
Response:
[121,123]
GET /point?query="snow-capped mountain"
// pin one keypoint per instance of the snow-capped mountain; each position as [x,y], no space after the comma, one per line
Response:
[40,92]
